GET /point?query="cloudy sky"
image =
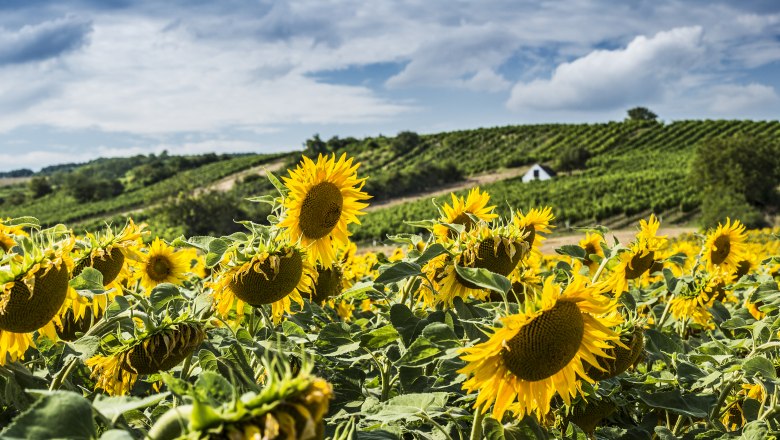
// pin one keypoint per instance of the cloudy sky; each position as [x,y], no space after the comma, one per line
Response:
[87,78]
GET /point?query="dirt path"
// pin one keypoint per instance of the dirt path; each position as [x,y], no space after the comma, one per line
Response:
[478,180]
[228,182]
[556,241]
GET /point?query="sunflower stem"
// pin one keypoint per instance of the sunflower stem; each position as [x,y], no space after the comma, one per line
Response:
[65,372]
[724,393]
[427,418]
[476,427]
[266,319]
[665,313]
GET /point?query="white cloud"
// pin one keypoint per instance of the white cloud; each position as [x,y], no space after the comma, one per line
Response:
[731,99]
[608,79]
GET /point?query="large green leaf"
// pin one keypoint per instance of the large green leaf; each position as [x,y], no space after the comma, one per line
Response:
[113,407]
[397,272]
[58,415]
[693,405]
[484,278]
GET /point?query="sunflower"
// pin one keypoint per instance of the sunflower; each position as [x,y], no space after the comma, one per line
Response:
[109,253]
[327,283]
[640,257]
[7,236]
[535,221]
[461,210]
[499,250]
[323,199]
[540,351]
[592,245]
[33,290]
[698,296]
[162,264]
[725,246]
[274,275]
[149,352]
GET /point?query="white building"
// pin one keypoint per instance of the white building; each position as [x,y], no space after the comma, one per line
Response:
[538,172]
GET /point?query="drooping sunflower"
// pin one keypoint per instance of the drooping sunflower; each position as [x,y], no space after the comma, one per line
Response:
[323,199]
[638,259]
[697,297]
[33,290]
[109,253]
[150,351]
[475,204]
[327,282]
[498,249]
[540,351]
[725,247]
[162,264]
[275,274]
[534,222]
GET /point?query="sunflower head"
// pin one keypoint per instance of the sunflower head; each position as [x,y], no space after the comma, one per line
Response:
[270,279]
[8,236]
[462,211]
[266,273]
[323,199]
[329,283]
[725,246]
[106,251]
[534,222]
[35,286]
[588,415]
[619,358]
[161,264]
[592,245]
[163,349]
[540,351]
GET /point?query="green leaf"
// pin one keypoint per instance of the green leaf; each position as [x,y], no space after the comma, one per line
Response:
[430,253]
[572,250]
[379,338]
[58,415]
[408,406]
[217,249]
[421,352]
[86,346]
[88,279]
[116,434]
[404,321]
[397,271]
[207,360]
[484,278]
[213,388]
[162,294]
[693,405]
[759,366]
[492,429]
[113,407]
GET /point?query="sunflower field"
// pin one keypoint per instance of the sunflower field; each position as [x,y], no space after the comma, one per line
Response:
[467,331]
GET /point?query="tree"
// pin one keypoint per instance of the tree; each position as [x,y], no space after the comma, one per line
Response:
[40,186]
[573,157]
[405,141]
[641,114]
[737,176]
[315,146]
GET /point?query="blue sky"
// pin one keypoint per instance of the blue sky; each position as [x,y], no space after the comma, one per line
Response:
[87,78]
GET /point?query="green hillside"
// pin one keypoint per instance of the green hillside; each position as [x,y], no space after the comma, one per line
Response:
[631,169]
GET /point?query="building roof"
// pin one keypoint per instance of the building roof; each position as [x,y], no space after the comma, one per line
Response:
[546,169]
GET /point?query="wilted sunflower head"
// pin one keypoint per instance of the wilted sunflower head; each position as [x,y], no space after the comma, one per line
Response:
[725,246]
[107,251]
[290,405]
[150,351]
[323,199]
[161,263]
[462,211]
[34,286]
[540,351]
[329,282]
[273,273]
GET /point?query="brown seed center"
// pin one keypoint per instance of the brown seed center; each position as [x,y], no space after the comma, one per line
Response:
[321,210]
[545,345]
[721,251]
[158,268]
